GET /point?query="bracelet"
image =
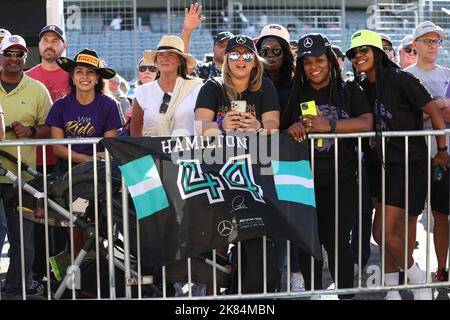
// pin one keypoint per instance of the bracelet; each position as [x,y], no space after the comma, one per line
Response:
[442,149]
[33,131]
[219,122]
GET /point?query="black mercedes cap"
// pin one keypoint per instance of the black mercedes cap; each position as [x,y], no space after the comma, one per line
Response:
[313,44]
[240,40]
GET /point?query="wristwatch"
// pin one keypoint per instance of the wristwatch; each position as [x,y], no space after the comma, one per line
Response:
[332,125]
[442,149]
[33,131]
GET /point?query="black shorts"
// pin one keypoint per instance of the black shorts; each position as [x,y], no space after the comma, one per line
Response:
[440,194]
[395,184]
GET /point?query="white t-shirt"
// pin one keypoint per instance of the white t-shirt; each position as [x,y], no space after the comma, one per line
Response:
[436,82]
[150,96]
[116,24]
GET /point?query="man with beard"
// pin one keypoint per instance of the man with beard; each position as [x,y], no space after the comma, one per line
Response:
[52,44]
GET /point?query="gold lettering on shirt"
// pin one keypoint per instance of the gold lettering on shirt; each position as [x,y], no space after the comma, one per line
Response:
[76,129]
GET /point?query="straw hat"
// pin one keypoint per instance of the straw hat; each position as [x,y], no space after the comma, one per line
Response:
[173,44]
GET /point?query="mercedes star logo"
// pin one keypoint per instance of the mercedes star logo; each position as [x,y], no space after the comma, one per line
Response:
[240,39]
[307,43]
[225,228]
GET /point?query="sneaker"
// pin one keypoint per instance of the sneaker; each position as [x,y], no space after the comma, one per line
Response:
[393,295]
[297,282]
[36,289]
[441,275]
[423,294]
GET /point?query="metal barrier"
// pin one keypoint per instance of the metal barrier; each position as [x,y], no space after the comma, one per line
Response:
[130,265]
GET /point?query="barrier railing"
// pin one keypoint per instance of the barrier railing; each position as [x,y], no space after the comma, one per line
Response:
[113,241]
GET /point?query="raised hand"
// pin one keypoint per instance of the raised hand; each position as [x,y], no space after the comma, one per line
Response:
[193,17]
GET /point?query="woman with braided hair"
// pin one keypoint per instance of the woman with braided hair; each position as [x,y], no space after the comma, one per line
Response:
[342,107]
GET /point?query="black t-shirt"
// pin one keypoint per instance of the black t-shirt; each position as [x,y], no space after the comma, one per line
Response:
[265,99]
[284,90]
[351,102]
[404,97]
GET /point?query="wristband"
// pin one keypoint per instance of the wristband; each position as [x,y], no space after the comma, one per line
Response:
[33,131]
[219,122]
[332,125]
[442,149]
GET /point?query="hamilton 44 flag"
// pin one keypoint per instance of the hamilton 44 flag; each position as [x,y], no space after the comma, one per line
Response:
[192,194]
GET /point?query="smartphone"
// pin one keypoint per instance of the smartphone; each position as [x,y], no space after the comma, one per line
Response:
[310,108]
[239,105]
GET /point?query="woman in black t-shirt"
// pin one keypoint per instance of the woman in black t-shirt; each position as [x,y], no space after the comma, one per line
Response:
[242,82]
[273,46]
[398,100]
[342,108]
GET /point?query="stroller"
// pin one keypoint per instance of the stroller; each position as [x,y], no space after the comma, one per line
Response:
[83,216]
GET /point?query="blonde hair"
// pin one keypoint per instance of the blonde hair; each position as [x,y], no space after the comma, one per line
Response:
[255,81]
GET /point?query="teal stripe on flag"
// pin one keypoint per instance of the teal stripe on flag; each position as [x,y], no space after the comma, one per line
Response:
[150,202]
[137,170]
[152,197]
[296,193]
[293,168]
[293,181]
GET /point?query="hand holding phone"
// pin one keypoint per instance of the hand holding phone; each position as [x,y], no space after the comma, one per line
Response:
[309,108]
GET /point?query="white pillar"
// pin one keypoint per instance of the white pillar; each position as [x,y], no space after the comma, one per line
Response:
[55,12]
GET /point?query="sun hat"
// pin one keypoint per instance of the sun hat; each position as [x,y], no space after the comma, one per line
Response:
[86,58]
[169,44]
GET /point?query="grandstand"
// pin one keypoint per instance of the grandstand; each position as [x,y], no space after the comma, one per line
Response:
[143,27]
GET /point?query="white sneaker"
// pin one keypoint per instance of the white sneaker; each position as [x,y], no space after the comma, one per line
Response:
[423,294]
[393,295]
[420,277]
[297,282]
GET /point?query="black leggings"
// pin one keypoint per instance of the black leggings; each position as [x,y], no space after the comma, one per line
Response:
[348,205]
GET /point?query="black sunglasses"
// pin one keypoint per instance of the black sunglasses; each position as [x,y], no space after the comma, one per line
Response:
[388,48]
[409,50]
[264,52]
[18,54]
[149,68]
[165,103]
[351,54]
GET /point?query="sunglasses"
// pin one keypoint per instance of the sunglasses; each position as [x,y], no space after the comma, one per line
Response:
[388,48]
[409,50]
[362,50]
[275,52]
[430,42]
[247,56]
[9,53]
[165,103]
[149,68]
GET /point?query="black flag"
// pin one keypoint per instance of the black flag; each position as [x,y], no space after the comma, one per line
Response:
[194,194]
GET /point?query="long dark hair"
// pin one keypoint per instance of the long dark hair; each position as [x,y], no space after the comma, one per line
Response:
[288,66]
[301,83]
[382,63]
[99,86]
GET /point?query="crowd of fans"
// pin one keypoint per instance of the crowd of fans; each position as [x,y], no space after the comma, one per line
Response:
[269,78]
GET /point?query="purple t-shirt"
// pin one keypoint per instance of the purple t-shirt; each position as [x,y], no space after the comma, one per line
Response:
[84,121]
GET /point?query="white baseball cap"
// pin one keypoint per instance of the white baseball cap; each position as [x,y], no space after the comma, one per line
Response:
[4,33]
[13,41]
[406,41]
[276,30]
[427,27]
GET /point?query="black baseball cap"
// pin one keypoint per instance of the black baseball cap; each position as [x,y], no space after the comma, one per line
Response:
[240,40]
[337,51]
[53,28]
[222,36]
[312,44]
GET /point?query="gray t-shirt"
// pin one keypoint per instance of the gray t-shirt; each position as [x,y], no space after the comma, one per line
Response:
[436,82]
